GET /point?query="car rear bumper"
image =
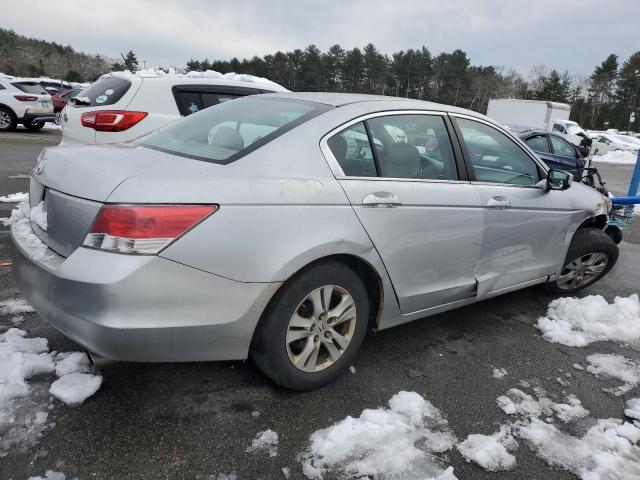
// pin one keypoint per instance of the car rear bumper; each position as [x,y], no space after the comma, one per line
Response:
[140,308]
[38,117]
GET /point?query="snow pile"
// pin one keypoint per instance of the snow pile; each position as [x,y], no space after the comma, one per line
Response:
[580,321]
[607,450]
[39,215]
[24,400]
[383,443]
[14,306]
[236,77]
[619,157]
[15,198]
[267,440]
[491,452]
[615,366]
[632,409]
[74,388]
[22,415]
[518,402]
[499,373]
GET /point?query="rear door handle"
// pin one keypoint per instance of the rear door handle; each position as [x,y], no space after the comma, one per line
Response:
[498,202]
[381,199]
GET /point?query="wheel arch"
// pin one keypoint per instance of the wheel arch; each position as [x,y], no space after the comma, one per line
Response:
[4,105]
[598,221]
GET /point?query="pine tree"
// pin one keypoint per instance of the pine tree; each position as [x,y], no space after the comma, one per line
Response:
[628,92]
[131,61]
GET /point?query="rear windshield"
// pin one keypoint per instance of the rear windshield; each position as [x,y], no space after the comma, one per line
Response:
[30,87]
[105,91]
[230,130]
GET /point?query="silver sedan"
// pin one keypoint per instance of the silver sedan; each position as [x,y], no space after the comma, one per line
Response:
[284,226]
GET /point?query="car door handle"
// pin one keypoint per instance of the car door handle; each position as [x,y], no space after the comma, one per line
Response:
[498,202]
[381,199]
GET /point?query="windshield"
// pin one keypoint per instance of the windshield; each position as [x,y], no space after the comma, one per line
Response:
[230,130]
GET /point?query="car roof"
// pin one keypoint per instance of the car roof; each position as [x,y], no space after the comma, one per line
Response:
[201,78]
[343,99]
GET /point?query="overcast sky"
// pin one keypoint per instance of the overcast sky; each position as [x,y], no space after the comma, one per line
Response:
[562,34]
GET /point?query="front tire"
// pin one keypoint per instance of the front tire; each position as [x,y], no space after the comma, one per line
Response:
[313,328]
[591,255]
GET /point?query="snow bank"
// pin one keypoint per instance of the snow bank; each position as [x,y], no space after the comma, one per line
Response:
[267,440]
[70,362]
[74,388]
[580,321]
[500,373]
[237,77]
[383,443]
[14,306]
[606,450]
[619,157]
[615,366]
[491,452]
[14,198]
[633,408]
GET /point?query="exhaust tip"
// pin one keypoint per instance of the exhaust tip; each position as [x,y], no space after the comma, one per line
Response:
[98,361]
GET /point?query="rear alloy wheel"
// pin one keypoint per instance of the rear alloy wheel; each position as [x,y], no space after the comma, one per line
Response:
[591,255]
[8,120]
[313,327]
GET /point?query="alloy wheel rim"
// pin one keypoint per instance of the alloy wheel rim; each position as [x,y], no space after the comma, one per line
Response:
[582,270]
[4,120]
[321,328]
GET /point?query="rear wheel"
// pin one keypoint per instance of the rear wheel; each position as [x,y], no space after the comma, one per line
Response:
[313,328]
[591,255]
[33,125]
[8,121]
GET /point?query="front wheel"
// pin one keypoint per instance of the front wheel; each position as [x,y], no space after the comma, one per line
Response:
[313,327]
[591,255]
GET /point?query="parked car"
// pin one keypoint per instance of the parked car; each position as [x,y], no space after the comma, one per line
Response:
[119,107]
[554,150]
[23,101]
[53,86]
[61,99]
[604,142]
[284,226]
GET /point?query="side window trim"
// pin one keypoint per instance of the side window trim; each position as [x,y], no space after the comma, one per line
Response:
[467,158]
[372,146]
[460,163]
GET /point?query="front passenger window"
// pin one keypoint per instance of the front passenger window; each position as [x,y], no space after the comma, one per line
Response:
[495,157]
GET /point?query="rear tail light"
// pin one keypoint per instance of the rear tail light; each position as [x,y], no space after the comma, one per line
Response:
[25,98]
[143,229]
[111,120]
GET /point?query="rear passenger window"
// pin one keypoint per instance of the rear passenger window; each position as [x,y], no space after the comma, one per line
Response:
[538,144]
[413,146]
[192,101]
[495,157]
[30,87]
[352,150]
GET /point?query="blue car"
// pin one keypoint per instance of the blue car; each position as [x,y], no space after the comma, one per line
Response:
[554,150]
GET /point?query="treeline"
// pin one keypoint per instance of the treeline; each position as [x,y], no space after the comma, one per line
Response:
[29,57]
[603,100]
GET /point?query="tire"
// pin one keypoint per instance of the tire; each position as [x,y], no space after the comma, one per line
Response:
[275,356]
[591,255]
[33,126]
[8,120]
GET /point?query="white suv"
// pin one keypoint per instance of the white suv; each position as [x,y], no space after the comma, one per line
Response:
[121,106]
[24,101]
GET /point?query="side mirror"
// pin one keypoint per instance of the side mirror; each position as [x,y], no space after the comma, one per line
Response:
[556,180]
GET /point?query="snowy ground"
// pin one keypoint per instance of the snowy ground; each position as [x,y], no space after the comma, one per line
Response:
[617,157]
[521,386]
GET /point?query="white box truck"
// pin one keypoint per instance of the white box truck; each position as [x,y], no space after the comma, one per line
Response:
[527,113]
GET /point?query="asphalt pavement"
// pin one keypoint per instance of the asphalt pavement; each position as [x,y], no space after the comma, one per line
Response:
[188,421]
